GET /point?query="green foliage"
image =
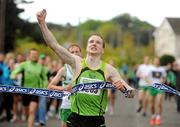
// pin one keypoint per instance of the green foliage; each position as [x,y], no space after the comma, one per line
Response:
[24,45]
[110,32]
[111,54]
[142,31]
[90,25]
[127,22]
[124,20]
[130,49]
[127,38]
[128,52]
[165,59]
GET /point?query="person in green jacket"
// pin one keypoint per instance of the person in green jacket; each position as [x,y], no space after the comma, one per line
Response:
[33,74]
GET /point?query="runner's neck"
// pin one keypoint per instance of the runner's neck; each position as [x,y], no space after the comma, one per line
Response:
[93,61]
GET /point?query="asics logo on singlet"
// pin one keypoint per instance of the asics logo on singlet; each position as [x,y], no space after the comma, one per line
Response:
[91,86]
[11,89]
[90,81]
[32,91]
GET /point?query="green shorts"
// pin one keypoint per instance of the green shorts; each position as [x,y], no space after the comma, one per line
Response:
[154,92]
[64,114]
[144,88]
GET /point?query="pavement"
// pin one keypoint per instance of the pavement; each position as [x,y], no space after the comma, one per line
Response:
[124,115]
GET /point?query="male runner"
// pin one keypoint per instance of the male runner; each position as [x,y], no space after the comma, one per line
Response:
[87,107]
[33,73]
[157,74]
[142,73]
[65,75]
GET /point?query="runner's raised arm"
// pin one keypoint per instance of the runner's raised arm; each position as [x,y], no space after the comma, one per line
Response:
[52,42]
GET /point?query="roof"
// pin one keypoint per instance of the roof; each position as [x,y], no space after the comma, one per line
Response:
[175,24]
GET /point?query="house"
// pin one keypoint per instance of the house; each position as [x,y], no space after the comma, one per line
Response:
[167,38]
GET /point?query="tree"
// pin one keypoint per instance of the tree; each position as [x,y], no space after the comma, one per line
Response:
[165,59]
[16,27]
[13,22]
[2,24]
[111,33]
[142,31]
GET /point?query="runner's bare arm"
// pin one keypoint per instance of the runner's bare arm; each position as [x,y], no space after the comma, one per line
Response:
[52,42]
[139,74]
[59,77]
[114,76]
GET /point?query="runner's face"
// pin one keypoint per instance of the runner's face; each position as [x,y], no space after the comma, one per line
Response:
[20,58]
[146,59]
[95,45]
[75,50]
[156,62]
[33,55]
[41,61]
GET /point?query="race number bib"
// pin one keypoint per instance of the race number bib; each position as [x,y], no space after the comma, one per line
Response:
[88,80]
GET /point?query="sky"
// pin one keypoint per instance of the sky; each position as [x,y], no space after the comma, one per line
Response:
[76,11]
